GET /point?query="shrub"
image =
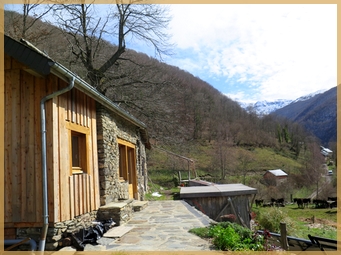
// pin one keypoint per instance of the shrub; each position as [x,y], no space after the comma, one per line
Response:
[231,236]
[271,219]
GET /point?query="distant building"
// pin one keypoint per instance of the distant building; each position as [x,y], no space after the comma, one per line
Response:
[275,177]
[326,152]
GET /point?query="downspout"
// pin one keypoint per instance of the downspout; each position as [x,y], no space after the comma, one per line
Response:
[44,163]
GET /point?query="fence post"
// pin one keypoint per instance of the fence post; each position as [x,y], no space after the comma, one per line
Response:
[284,239]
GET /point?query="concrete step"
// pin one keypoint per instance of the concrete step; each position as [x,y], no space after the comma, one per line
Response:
[120,212]
[139,205]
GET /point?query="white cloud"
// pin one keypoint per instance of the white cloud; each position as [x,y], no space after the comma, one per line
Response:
[275,47]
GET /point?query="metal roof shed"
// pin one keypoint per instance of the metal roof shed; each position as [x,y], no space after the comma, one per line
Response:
[277,172]
[222,201]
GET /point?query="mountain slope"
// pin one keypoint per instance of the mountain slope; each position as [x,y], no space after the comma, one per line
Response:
[266,107]
[317,114]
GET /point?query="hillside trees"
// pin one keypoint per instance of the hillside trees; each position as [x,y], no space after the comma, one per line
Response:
[312,161]
[30,10]
[85,27]
[28,25]
[244,159]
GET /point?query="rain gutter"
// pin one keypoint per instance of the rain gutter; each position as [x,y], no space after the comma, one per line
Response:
[90,91]
[42,241]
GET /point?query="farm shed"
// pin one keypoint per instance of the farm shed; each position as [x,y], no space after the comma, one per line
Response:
[217,200]
[68,150]
[275,177]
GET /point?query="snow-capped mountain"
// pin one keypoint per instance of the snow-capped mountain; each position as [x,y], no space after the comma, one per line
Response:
[306,97]
[266,107]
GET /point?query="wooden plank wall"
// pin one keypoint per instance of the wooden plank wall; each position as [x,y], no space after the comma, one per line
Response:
[22,169]
[216,206]
[80,194]
[22,173]
[77,108]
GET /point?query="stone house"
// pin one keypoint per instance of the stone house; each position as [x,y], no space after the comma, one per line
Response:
[68,150]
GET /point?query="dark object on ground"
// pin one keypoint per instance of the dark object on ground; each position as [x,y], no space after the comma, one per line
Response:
[90,235]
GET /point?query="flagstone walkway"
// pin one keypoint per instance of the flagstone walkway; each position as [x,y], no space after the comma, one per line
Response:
[161,226]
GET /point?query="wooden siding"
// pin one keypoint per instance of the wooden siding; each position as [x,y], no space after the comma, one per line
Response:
[23,174]
[214,207]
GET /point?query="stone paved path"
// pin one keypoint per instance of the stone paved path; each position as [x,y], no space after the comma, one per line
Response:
[161,226]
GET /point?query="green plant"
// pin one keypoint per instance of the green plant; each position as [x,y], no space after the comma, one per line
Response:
[201,232]
[231,236]
[272,218]
[225,238]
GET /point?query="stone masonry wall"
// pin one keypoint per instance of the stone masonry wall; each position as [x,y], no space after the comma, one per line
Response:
[109,127]
[56,236]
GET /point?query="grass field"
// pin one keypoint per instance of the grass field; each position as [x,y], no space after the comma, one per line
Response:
[317,222]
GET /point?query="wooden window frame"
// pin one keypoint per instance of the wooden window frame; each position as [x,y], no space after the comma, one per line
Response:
[127,159]
[83,133]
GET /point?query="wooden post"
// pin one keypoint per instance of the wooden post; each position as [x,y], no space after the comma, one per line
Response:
[189,171]
[284,239]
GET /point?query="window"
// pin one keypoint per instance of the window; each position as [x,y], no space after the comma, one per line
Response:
[78,151]
[79,140]
[127,164]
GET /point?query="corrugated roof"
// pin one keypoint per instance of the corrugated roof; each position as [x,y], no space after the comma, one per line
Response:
[217,190]
[278,172]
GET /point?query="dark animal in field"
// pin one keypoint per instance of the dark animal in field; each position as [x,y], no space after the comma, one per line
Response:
[259,202]
[280,202]
[320,203]
[306,202]
[299,202]
[277,202]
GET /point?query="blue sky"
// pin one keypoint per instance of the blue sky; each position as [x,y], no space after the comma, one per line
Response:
[256,52]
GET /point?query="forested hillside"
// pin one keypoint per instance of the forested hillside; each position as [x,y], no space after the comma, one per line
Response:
[317,115]
[185,115]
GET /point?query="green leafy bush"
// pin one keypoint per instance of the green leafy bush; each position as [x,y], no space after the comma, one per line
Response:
[231,236]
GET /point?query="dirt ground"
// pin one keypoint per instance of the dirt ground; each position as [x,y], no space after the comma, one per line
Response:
[318,223]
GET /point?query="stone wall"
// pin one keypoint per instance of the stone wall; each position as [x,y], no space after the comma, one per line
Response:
[109,127]
[56,236]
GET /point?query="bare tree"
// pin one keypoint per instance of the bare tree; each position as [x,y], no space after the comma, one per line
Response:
[86,29]
[312,165]
[245,158]
[25,24]
[32,13]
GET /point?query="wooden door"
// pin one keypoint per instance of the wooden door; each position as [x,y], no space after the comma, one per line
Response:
[132,173]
